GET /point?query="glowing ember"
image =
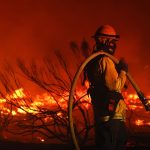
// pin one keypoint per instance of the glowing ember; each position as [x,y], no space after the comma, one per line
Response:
[41,139]
[148,123]
[139,122]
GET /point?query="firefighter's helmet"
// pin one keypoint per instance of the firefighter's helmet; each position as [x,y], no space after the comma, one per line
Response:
[106,31]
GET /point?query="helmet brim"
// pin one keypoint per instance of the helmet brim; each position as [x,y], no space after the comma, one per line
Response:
[106,35]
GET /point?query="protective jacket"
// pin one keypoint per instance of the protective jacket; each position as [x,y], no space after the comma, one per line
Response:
[106,84]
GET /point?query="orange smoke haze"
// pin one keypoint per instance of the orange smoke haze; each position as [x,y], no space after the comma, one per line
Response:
[34,27]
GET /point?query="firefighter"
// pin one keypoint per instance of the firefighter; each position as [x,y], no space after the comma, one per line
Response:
[106,83]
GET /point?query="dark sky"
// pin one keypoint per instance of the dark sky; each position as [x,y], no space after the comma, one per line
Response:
[31,27]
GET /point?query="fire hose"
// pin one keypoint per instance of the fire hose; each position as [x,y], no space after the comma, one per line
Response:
[74,82]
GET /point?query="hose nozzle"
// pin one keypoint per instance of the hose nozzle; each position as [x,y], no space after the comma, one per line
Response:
[144,100]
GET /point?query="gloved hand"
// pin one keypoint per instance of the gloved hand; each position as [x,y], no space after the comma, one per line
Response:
[122,65]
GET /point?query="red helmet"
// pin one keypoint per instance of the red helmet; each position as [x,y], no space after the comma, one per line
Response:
[106,31]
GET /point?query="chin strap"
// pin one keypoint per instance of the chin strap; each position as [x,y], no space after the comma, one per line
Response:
[74,82]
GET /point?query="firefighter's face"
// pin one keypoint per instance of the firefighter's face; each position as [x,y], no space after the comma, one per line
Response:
[106,44]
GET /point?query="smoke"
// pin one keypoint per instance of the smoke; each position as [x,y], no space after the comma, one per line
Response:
[31,28]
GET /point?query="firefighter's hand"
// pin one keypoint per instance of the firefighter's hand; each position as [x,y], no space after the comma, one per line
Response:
[122,65]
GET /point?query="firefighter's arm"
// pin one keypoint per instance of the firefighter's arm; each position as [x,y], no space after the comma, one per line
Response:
[113,79]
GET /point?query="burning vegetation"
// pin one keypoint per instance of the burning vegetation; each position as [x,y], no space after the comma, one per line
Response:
[44,117]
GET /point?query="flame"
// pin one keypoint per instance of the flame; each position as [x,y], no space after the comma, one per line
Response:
[47,101]
[2,100]
[33,106]
[17,94]
[43,100]
[139,122]
[14,113]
